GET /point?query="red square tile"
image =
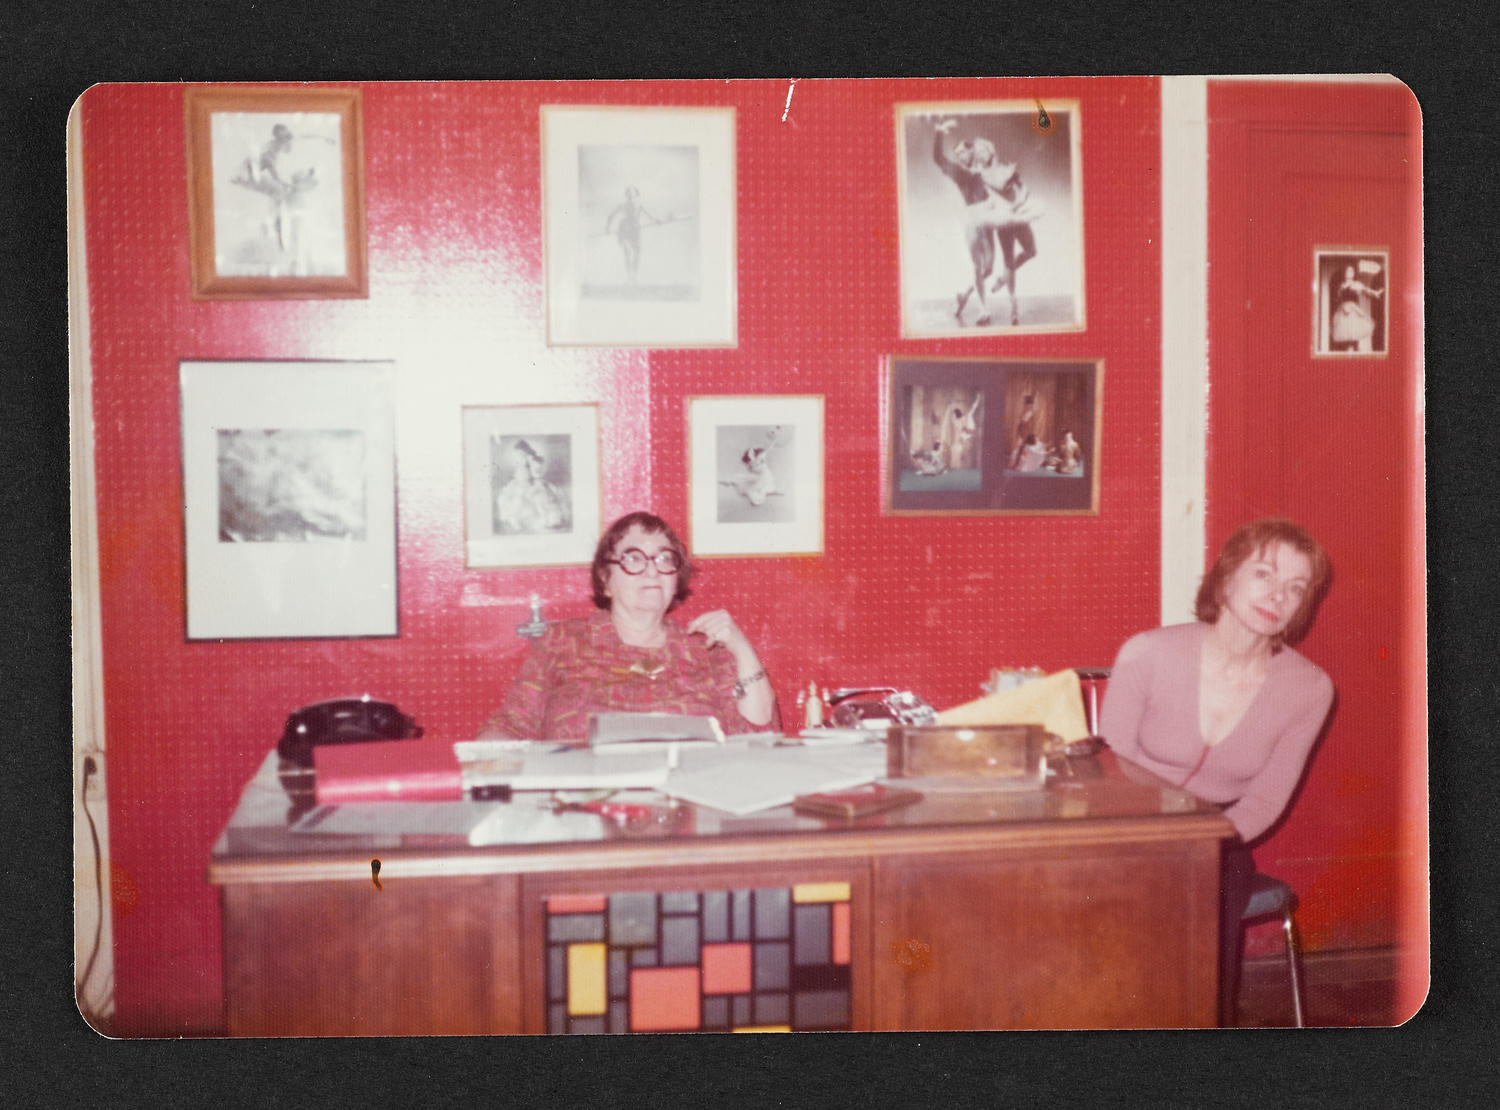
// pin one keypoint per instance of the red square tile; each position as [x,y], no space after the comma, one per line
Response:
[664,998]
[726,969]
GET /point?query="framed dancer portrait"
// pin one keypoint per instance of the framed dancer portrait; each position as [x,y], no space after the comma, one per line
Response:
[1349,309]
[276,203]
[976,436]
[756,475]
[991,218]
[531,484]
[639,218]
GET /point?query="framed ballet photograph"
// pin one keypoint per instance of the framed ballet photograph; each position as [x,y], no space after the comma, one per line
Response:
[289,499]
[990,209]
[756,475]
[532,490]
[989,437]
[1349,309]
[276,205]
[638,210]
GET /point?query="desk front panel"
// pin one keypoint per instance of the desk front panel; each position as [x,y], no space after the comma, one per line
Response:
[1092,936]
[342,958]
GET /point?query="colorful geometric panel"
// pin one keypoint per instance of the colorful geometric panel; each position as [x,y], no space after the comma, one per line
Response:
[761,960]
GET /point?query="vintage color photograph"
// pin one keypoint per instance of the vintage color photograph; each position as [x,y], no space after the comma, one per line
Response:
[991,215]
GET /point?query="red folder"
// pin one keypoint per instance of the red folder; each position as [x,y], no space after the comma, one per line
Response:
[386,771]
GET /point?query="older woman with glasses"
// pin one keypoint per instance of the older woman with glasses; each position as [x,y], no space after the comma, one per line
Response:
[629,658]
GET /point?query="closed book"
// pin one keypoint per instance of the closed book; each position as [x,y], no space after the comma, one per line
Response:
[859,802]
[386,770]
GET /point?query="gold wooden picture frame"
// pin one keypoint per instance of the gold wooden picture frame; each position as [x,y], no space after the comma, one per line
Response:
[276,202]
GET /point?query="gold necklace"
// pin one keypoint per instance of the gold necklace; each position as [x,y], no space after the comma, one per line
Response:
[650,672]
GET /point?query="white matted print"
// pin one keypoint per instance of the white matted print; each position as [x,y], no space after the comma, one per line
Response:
[289,499]
[639,214]
[756,485]
[531,484]
[1349,309]
[991,217]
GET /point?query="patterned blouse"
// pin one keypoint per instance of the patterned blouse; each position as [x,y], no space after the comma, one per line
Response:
[581,667]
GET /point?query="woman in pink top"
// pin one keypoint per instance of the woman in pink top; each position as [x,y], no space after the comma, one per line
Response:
[1222,707]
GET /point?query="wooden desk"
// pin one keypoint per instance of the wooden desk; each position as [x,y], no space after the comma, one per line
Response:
[1090,904]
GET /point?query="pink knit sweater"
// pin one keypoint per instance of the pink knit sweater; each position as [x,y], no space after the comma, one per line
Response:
[1150,717]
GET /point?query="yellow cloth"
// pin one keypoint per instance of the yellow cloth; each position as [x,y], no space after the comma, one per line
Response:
[1054,702]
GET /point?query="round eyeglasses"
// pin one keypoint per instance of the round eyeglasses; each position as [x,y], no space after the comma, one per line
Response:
[633,561]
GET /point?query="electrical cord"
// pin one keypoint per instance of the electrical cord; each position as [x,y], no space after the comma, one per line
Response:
[89,768]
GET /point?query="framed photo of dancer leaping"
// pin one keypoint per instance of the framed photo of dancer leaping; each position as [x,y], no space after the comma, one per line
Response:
[276,204]
[977,436]
[991,218]
[639,217]
[755,482]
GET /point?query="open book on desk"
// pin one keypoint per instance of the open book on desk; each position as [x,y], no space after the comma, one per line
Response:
[751,779]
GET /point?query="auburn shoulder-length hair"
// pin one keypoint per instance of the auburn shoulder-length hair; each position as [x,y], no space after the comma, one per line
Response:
[1252,539]
[605,554]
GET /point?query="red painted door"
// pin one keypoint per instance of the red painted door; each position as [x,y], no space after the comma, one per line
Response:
[1307,182]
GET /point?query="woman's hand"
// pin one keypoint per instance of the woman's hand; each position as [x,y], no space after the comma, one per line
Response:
[754,696]
[718,627]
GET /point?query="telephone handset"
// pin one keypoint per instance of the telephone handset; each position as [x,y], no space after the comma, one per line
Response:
[342,721]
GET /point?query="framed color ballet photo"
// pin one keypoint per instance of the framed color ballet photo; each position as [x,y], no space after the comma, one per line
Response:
[756,475]
[289,499]
[275,192]
[985,437]
[1349,309]
[991,218]
[639,217]
[531,484]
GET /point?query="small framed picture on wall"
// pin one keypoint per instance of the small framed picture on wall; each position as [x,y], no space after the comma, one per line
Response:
[756,475]
[639,215]
[983,436]
[276,203]
[289,499]
[531,484]
[1349,301]
[991,217]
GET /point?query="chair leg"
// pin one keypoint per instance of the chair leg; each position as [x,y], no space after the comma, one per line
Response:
[1292,961]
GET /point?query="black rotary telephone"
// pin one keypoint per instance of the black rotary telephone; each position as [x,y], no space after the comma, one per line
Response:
[342,721]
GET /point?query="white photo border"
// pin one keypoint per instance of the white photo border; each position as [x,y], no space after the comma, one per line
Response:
[484,547]
[803,533]
[930,219]
[332,588]
[710,319]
